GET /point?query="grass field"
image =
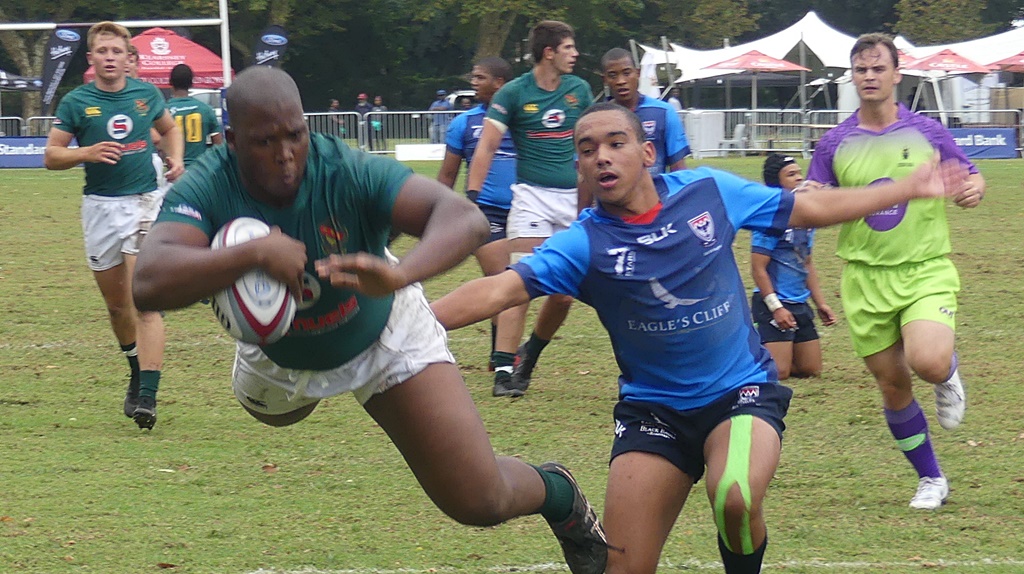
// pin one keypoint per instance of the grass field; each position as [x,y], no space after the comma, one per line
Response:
[212,491]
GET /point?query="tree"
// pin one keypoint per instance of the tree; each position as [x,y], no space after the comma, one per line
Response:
[941,21]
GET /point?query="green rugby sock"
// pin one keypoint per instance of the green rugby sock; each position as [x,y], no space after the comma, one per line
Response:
[558,496]
[149,381]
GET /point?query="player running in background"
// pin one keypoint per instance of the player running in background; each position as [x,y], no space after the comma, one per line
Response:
[196,120]
[111,118]
[661,123]
[363,324]
[539,109]
[697,391]
[785,277]
[899,286]
[494,200]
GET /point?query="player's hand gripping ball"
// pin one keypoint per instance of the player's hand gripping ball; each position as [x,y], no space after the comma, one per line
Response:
[257,308]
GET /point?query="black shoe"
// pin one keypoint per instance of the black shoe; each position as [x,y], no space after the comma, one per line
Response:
[145,413]
[131,396]
[503,386]
[580,534]
[522,369]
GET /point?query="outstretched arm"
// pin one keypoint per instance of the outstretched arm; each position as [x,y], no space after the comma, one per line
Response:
[828,206]
[449,226]
[480,299]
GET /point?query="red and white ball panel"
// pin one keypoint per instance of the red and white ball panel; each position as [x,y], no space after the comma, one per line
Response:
[257,308]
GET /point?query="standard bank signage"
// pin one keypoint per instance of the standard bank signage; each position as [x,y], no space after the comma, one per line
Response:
[22,151]
[986,143]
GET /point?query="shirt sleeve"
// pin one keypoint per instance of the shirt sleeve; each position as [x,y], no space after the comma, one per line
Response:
[762,243]
[558,266]
[820,169]
[454,135]
[502,108]
[676,143]
[754,206]
[65,117]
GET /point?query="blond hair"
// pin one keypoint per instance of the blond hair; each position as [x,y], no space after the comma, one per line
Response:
[111,28]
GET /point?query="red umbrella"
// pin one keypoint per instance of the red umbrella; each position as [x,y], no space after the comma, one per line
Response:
[947,61]
[754,61]
[1014,63]
[160,50]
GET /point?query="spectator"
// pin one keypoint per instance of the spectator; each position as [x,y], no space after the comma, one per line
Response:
[673,99]
[377,125]
[363,107]
[439,122]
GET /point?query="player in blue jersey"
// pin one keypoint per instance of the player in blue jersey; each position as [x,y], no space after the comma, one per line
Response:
[785,277]
[661,123]
[494,199]
[363,324]
[697,390]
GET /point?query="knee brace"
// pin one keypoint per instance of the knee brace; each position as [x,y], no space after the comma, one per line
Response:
[737,472]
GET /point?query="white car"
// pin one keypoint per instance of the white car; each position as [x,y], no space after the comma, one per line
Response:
[208,97]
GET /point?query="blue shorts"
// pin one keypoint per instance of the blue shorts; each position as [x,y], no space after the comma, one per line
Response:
[496,217]
[802,312]
[679,436]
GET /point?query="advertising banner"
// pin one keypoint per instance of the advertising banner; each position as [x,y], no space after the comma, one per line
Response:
[987,143]
[270,46]
[59,50]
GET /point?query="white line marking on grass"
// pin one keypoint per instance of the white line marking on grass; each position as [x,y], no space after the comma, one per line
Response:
[688,565]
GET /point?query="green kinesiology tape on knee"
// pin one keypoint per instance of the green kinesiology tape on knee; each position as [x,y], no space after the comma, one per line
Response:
[737,472]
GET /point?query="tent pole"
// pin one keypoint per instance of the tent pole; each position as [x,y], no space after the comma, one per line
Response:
[803,74]
[669,68]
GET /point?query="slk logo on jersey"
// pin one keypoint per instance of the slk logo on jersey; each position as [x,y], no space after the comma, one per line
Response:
[553,118]
[703,226]
[119,126]
[649,127]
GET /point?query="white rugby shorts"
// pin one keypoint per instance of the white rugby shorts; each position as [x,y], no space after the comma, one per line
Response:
[410,342]
[113,226]
[540,211]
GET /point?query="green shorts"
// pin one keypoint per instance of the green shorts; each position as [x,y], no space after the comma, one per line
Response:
[878,301]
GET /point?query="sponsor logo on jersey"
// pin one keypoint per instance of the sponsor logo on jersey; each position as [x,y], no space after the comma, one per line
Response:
[135,146]
[652,238]
[748,395]
[310,291]
[703,226]
[620,429]
[160,46]
[142,107]
[187,211]
[119,126]
[531,108]
[329,321]
[670,300]
[553,118]
[649,127]
[625,260]
[656,430]
[92,111]
[501,109]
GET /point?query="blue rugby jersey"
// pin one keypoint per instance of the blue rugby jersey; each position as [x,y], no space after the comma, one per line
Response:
[462,138]
[788,266]
[669,292]
[662,127]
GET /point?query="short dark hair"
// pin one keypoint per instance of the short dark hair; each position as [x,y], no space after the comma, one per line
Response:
[614,55]
[181,77]
[610,106]
[548,34]
[866,41]
[496,67]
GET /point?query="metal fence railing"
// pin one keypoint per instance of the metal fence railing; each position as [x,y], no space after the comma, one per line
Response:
[710,132]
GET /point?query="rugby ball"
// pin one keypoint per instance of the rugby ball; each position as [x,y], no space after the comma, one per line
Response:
[257,308]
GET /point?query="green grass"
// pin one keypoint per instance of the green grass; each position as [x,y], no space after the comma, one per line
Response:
[211,490]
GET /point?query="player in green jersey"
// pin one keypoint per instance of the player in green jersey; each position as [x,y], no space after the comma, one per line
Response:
[540,109]
[111,119]
[196,120]
[363,324]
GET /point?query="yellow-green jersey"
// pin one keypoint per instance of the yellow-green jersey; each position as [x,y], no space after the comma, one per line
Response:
[197,122]
[851,156]
[92,116]
[542,123]
[343,206]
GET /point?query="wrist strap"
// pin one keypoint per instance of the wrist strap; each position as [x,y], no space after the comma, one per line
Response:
[771,300]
